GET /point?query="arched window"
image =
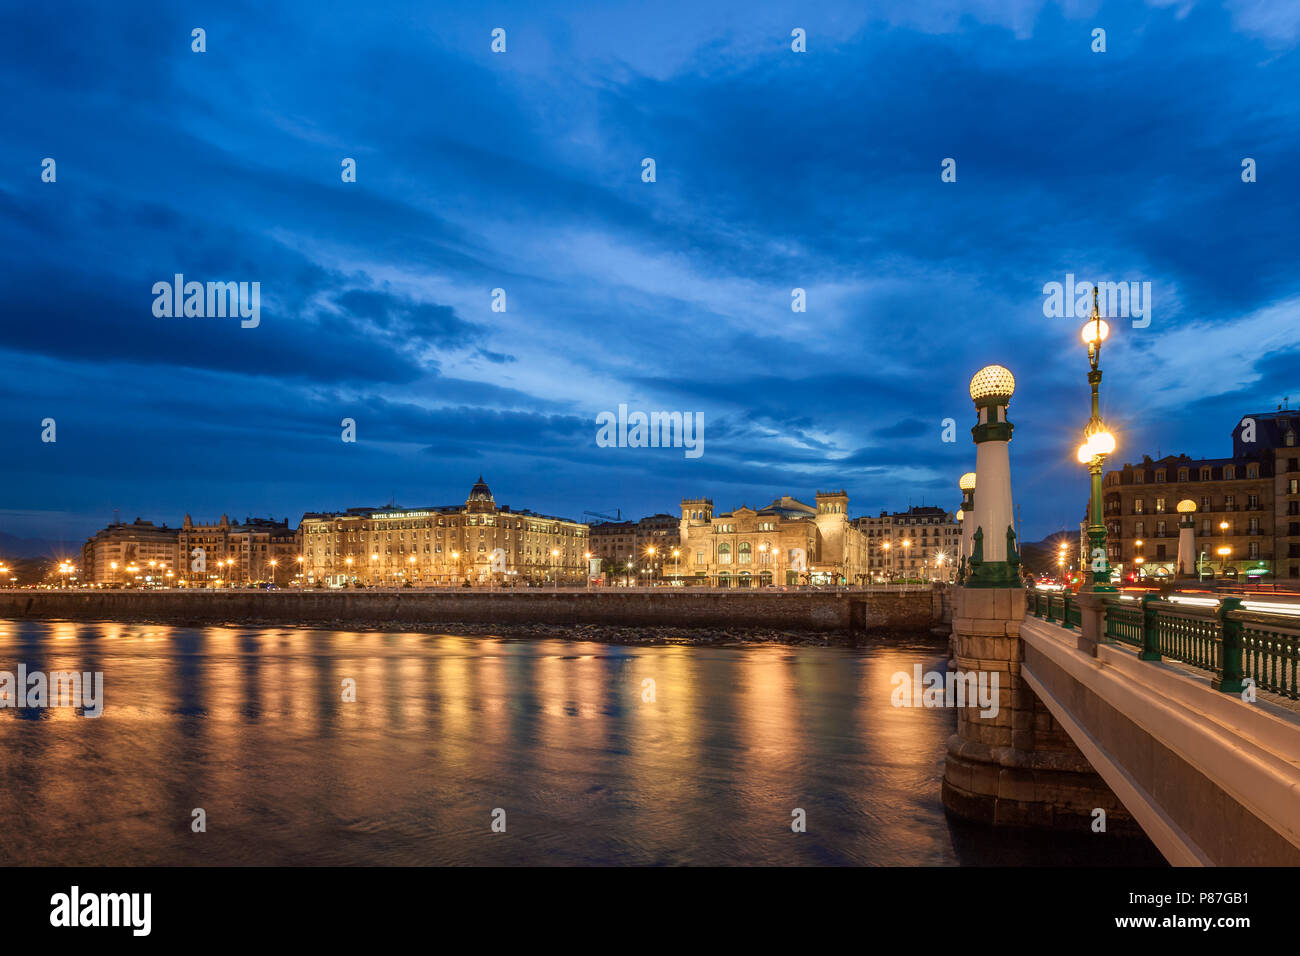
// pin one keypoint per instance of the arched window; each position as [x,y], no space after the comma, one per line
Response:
[1252,471]
[1229,472]
[1205,474]
[746,555]
[724,554]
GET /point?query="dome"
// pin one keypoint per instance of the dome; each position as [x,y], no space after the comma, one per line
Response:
[480,491]
[967,481]
[992,381]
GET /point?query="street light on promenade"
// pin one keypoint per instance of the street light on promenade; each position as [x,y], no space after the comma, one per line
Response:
[1097,444]
[650,553]
[677,565]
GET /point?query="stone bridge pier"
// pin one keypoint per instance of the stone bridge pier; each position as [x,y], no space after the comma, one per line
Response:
[1017,767]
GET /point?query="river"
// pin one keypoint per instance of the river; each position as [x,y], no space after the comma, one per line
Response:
[588,762]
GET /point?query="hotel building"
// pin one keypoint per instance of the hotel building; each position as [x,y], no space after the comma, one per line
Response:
[480,542]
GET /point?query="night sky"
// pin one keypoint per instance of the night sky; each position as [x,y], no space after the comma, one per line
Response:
[523,171]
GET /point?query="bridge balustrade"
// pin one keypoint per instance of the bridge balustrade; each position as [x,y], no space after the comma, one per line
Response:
[1236,645]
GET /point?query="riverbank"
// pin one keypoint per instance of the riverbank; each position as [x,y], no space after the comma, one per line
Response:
[659,616]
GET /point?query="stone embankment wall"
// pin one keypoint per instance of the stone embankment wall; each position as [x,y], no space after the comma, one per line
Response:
[854,611]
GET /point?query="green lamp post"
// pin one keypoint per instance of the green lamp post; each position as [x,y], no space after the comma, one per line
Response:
[1098,442]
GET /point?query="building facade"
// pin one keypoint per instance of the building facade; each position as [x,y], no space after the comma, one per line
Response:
[224,554]
[1247,518]
[785,543]
[638,550]
[922,543]
[140,553]
[479,542]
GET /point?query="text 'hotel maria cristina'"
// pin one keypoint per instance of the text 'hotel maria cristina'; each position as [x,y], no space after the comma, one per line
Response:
[480,542]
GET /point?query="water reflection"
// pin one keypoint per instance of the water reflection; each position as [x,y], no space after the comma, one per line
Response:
[252,727]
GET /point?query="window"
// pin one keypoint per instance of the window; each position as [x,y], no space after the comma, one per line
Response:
[724,554]
[1252,502]
[1293,486]
[1140,528]
[1229,472]
[1205,474]
[1138,506]
[1160,529]
[1205,502]
[1160,476]
[1254,549]
[1229,502]
[745,554]
[1160,506]
[1252,471]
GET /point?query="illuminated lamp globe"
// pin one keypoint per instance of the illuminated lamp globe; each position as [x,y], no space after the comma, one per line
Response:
[1098,439]
[961,515]
[1095,332]
[1084,453]
[992,382]
[1186,506]
[967,481]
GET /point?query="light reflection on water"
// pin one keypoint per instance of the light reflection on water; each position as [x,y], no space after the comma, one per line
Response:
[250,725]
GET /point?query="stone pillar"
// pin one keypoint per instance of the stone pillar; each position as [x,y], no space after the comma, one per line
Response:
[1186,566]
[1018,767]
[1092,631]
[994,560]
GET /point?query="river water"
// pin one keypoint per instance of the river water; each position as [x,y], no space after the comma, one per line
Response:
[251,727]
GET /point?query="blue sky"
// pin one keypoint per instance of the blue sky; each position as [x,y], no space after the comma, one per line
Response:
[522,171]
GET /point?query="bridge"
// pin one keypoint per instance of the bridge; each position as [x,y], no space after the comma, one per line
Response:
[1177,713]
[1180,717]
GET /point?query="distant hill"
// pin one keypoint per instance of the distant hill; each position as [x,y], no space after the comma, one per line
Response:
[1039,557]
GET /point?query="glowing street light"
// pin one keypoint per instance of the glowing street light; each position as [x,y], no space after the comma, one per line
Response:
[1098,443]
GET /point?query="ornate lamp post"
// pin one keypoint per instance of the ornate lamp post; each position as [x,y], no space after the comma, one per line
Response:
[966,485]
[994,560]
[1098,442]
[1186,566]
